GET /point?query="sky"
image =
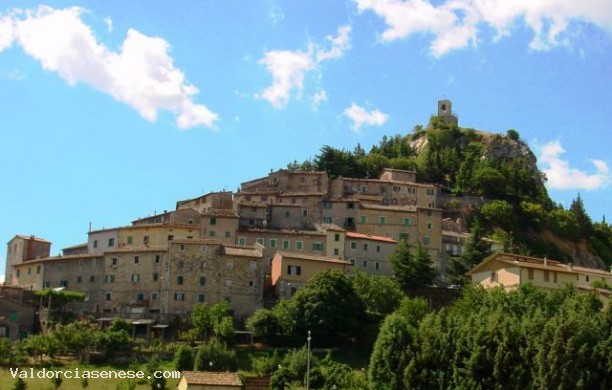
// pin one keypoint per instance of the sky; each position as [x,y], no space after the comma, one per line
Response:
[114,110]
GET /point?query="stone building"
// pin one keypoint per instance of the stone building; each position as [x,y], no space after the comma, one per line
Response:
[369,253]
[22,249]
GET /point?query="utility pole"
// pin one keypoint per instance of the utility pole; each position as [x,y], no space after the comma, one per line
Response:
[308,363]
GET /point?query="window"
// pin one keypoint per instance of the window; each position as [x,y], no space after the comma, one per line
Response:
[129,240]
[350,205]
[242,241]
[202,280]
[170,237]
[154,296]
[286,244]
[494,276]
[363,219]
[140,297]
[299,245]
[273,243]
[135,277]
[202,265]
[228,234]
[253,264]
[213,221]
[365,247]
[554,276]
[211,233]
[17,273]
[95,243]
[201,298]
[79,279]
[530,274]
[382,220]
[155,277]
[352,261]
[337,237]
[353,245]
[430,191]
[229,264]
[179,296]
[587,278]
[377,265]
[327,205]
[328,220]
[136,259]
[111,242]
[108,296]
[287,214]
[336,252]
[29,270]
[426,240]
[364,264]
[260,240]
[179,279]
[304,213]
[37,269]
[546,276]
[92,278]
[228,282]
[317,246]
[294,270]
[378,248]
[251,283]
[157,258]
[145,240]
[429,226]
[406,221]
[109,279]
[114,261]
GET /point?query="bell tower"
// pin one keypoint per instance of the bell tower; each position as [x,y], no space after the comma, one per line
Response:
[445,112]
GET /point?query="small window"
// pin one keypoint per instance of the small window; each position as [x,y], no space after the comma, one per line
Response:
[95,243]
[286,244]
[228,234]
[114,261]
[157,258]
[273,243]
[170,237]
[111,242]
[328,220]
[299,245]
[353,245]
[260,240]
[201,298]
[79,279]
[92,278]
[179,296]
[317,246]
[294,270]
[129,240]
[406,221]
[136,259]
[228,282]
[364,264]
[429,226]
[135,277]
[336,237]
[336,251]
[287,214]
[145,240]
[155,277]
[139,297]
[363,219]
[377,266]
[242,241]
[530,274]
[179,280]
[547,276]
[327,205]
[378,248]
[211,233]
[382,220]
[430,191]
[365,247]
[213,221]
[350,205]
[229,264]
[154,296]
[426,240]
[108,296]
[202,280]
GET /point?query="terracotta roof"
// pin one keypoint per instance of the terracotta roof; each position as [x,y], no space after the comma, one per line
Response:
[84,245]
[410,209]
[212,378]
[33,238]
[137,249]
[370,237]
[58,258]
[537,263]
[301,193]
[304,256]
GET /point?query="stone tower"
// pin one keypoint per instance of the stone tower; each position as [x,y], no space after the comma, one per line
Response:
[445,112]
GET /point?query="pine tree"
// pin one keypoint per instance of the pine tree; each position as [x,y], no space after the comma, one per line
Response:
[412,271]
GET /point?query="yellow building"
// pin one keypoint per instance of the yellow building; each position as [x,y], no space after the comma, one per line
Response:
[510,271]
[291,270]
[191,380]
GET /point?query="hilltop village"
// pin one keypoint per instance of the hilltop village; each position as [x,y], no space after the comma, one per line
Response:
[262,242]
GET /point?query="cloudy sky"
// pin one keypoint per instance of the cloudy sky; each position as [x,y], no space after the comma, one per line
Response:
[113,110]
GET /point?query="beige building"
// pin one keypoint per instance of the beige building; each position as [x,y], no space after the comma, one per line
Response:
[510,270]
[192,380]
[22,249]
[291,270]
[369,253]
[210,201]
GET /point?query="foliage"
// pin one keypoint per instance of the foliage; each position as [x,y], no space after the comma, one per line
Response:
[19,384]
[38,345]
[412,270]
[500,212]
[183,358]
[328,306]
[264,325]
[380,294]
[215,356]
[213,320]
[476,250]
[157,381]
[293,369]
[523,339]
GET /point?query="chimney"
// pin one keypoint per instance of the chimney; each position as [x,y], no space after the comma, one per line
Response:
[545,260]
[570,266]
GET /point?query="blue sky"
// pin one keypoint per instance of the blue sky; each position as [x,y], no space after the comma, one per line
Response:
[114,110]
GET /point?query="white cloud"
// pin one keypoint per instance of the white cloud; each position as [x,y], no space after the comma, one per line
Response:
[455,23]
[141,75]
[109,23]
[339,44]
[15,75]
[319,97]
[562,177]
[361,117]
[288,68]
[6,32]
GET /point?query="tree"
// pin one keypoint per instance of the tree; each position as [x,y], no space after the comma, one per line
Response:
[489,182]
[153,368]
[476,250]
[215,356]
[213,320]
[390,353]
[19,384]
[183,358]
[380,294]
[412,271]
[585,225]
[264,325]
[328,306]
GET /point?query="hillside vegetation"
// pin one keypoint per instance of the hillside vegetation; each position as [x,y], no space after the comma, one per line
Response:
[484,177]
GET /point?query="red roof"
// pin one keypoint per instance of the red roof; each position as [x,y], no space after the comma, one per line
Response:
[370,237]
